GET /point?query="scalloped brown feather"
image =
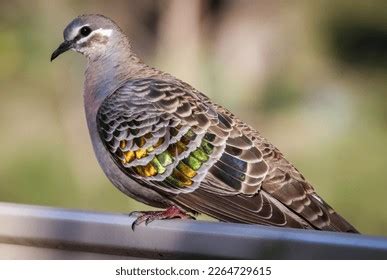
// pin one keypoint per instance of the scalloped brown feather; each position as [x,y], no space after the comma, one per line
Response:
[245,179]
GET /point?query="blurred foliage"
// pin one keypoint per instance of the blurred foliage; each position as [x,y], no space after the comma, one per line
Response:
[310,75]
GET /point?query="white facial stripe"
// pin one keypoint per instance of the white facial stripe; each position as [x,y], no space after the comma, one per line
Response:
[100,31]
[103,32]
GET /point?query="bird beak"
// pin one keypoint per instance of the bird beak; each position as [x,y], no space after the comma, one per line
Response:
[65,46]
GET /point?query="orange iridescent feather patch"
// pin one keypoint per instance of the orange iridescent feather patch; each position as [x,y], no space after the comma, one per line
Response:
[128,157]
[146,171]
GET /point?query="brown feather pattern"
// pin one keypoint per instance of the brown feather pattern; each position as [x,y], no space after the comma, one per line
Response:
[211,162]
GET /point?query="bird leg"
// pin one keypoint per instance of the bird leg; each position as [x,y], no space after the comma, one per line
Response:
[171,212]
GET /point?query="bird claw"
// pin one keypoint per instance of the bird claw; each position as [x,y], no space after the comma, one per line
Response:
[149,216]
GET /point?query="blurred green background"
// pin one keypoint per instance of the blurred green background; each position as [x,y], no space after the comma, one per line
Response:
[310,75]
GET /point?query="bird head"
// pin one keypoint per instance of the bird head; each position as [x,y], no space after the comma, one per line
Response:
[89,35]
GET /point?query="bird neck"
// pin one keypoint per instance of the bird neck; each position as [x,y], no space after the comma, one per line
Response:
[106,73]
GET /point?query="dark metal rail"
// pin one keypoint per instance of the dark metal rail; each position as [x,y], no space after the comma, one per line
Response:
[35,232]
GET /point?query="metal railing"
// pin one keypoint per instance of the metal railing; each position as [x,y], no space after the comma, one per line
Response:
[36,232]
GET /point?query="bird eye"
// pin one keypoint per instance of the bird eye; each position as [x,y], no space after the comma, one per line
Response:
[85,31]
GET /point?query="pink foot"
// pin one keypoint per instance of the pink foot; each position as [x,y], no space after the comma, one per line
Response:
[171,212]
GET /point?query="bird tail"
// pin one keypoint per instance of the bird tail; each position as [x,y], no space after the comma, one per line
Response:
[338,223]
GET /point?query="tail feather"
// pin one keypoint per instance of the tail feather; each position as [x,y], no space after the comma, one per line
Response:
[338,223]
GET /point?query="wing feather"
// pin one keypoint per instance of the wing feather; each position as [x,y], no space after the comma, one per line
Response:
[171,138]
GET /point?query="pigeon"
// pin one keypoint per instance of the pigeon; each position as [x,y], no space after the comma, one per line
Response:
[164,143]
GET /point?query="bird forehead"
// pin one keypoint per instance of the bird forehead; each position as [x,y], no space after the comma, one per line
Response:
[99,23]
[72,29]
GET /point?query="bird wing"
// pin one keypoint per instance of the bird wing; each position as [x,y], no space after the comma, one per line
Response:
[161,133]
[171,138]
